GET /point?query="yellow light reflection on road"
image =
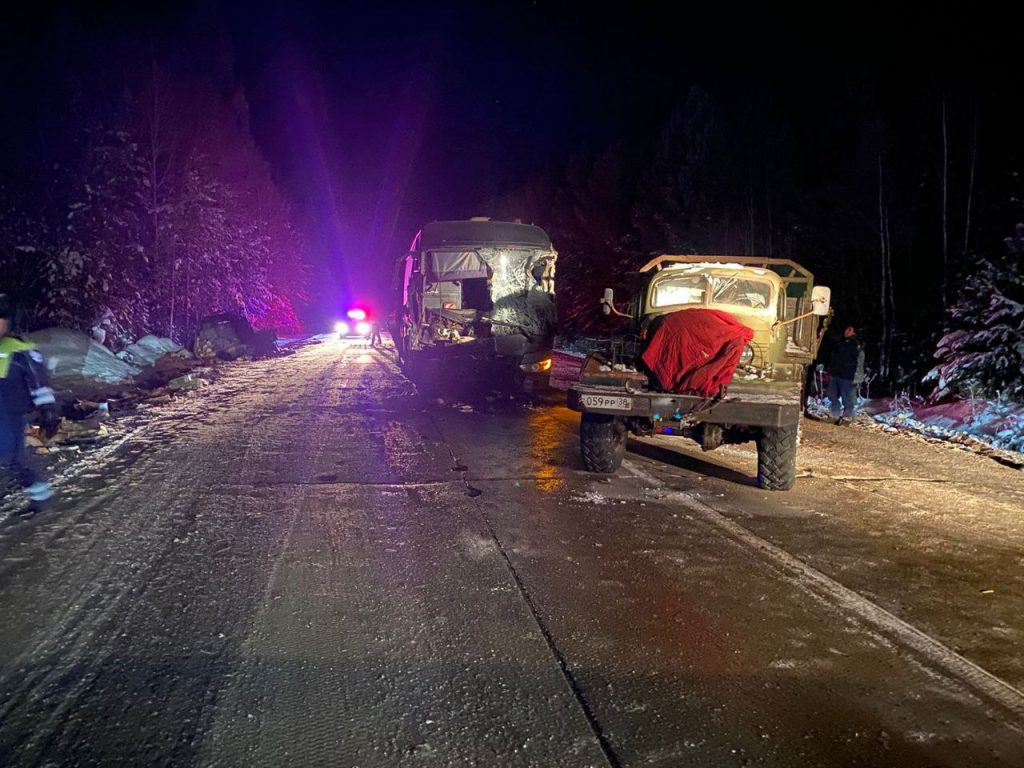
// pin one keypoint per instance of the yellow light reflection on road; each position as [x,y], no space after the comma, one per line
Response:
[546,452]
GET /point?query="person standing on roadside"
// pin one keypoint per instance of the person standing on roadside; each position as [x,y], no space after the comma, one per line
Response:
[24,387]
[844,365]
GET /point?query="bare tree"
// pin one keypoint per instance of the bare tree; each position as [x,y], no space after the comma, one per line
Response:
[157,112]
[945,205]
[970,182]
[887,300]
[751,242]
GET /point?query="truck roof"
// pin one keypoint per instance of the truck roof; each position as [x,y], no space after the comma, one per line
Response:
[480,232]
[787,269]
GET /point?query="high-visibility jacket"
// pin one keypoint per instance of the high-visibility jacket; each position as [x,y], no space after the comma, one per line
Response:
[24,383]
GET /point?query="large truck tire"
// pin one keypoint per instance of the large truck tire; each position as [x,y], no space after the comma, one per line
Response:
[776,458]
[602,442]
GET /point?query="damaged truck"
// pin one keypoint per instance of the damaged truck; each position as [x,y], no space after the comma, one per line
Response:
[476,293]
[716,350]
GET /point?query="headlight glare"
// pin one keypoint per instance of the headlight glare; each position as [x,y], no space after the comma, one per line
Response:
[539,367]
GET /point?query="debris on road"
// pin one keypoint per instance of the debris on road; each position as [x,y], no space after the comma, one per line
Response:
[72,434]
[229,336]
[589,497]
[875,478]
[73,357]
[90,382]
[149,349]
[185,383]
[63,449]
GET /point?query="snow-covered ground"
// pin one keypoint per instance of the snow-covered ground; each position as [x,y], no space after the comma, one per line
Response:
[976,424]
[998,424]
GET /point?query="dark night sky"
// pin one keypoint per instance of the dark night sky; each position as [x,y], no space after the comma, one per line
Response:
[377,117]
[419,112]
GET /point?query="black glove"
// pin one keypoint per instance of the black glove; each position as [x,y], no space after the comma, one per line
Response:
[49,420]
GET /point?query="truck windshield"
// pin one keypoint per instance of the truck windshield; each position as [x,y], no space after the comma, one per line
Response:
[722,289]
[685,289]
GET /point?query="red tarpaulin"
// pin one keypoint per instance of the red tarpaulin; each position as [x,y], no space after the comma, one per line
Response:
[695,351]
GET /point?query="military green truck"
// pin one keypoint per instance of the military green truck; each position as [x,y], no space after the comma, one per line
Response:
[775,298]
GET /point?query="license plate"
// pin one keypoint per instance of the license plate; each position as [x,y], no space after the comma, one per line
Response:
[607,402]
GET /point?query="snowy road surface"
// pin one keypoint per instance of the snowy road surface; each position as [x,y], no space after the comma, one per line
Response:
[308,564]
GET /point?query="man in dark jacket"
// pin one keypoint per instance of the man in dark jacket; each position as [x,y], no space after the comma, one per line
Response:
[24,387]
[845,364]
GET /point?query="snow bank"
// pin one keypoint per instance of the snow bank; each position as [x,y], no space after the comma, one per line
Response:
[997,424]
[149,349]
[73,355]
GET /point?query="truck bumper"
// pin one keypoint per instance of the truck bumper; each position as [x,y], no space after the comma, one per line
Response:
[747,409]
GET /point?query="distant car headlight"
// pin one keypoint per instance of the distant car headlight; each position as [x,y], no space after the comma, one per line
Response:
[747,356]
[341,328]
[363,328]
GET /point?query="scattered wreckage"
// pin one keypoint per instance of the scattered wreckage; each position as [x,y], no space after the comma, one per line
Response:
[90,381]
[717,351]
[93,383]
[229,336]
[476,292]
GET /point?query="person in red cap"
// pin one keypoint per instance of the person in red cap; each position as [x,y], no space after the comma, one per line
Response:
[24,387]
[846,360]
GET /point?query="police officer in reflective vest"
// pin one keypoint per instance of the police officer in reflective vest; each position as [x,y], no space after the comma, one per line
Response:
[24,387]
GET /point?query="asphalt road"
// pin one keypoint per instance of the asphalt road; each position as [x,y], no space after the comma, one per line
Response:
[309,564]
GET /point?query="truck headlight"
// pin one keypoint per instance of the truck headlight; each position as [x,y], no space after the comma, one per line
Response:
[363,328]
[341,328]
[539,367]
[747,356]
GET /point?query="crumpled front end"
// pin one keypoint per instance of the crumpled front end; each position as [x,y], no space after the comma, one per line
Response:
[485,301]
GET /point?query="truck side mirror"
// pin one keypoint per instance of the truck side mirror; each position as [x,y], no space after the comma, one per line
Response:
[821,300]
[608,301]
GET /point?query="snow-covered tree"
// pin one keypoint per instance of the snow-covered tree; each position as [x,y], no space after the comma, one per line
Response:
[99,261]
[982,350]
[226,255]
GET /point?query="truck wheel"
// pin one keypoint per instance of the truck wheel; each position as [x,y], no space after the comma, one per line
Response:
[776,458]
[602,442]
